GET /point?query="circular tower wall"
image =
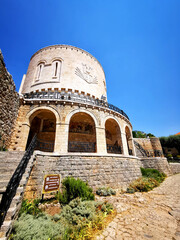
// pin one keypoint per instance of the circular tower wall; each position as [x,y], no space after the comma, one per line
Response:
[65,67]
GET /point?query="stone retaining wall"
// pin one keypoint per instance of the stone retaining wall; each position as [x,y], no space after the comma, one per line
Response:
[116,172]
[161,164]
[175,167]
[9,103]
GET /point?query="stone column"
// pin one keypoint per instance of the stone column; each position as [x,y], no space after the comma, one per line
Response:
[61,138]
[101,140]
[124,143]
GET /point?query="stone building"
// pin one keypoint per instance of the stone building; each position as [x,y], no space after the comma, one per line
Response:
[63,100]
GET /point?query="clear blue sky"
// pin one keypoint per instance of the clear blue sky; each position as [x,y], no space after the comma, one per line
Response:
[136,41]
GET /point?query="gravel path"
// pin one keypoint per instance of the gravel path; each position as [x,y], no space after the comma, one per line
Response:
[153,215]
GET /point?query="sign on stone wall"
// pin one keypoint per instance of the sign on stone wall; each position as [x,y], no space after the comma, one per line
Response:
[51,183]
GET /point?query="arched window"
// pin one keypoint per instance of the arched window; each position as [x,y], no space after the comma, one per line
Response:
[82,133]
[56,67]
[39,70]
[43,123]
[113,137]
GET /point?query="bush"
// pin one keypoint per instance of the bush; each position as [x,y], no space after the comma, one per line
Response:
[74,188]
[144,184]
[169,156]
[41,227]
[153,173]
[171,141]
[30,207]
[130,190]
[103,191]
[150,179]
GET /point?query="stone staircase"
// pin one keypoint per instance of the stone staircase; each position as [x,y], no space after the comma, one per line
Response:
[8,164]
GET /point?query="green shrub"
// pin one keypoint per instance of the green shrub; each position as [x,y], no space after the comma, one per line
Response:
[153,173]
[103,191]
[169,156]
[30,207]
[144,184]
[150,179]
[74,188]
[41,227]
[130,190]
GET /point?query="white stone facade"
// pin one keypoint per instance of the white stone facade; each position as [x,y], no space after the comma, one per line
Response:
[65,67]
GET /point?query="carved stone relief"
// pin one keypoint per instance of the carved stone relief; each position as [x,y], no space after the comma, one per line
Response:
[86,74]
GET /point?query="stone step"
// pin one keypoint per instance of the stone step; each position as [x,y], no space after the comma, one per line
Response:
[8,166]
[7,176]
[19,190]
[10,161]
[11,212]
[11,153]
[6,227]
[15,157]
[7,170]
[3,183]
[16,200]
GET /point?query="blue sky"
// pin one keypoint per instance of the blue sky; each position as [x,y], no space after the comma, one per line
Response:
[136,41]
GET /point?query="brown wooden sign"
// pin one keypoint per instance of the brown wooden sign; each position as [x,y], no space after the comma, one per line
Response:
[51,183]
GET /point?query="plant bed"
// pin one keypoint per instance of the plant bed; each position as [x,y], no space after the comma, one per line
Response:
[78,219]
[150,179]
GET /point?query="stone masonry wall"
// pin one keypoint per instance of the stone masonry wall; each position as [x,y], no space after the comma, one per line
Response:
[9,103]
[116,172]
[175,167]
[161,164]
[152,146]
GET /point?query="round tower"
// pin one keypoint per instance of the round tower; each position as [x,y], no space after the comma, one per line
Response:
[65,67]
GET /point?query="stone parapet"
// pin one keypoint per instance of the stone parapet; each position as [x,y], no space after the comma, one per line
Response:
[175,167]
[161,164]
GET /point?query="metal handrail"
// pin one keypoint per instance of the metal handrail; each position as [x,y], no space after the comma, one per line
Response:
[73,97]
[15,180]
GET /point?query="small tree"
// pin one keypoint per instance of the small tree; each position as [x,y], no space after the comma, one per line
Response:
[171,141]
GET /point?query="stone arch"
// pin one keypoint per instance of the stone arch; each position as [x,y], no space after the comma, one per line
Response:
[42,122]
[113,135]
[34,110]
[68,117]
[129,140]
[82,133]
[111,117]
